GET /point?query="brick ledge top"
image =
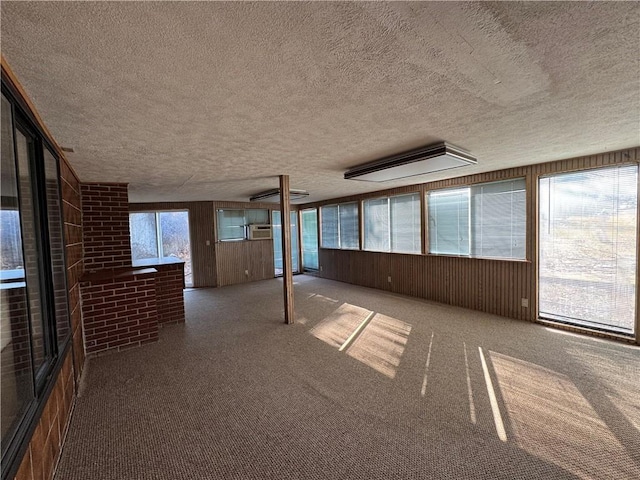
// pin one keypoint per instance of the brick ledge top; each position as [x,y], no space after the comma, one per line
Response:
[152,262]
[117,274]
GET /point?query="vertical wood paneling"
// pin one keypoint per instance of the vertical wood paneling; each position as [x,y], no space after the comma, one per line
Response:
[494,286]
[236,258]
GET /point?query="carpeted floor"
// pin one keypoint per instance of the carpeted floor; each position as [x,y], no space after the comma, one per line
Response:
[236,394]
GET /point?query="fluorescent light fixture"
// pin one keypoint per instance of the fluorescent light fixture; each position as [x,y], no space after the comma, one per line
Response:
[432,158]
[273,195]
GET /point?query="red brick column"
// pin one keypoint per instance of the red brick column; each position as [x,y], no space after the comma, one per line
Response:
[105,225]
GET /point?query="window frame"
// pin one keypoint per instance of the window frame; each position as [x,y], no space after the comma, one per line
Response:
[390,223]
[245,224]
[44,380]
[317,238]
[358,223]
[158,235]
[470,186]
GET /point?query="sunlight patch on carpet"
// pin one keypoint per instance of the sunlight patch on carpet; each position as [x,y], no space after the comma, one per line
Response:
[551,419]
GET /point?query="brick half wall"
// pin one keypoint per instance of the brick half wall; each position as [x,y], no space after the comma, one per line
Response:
[120,311]
[169,293]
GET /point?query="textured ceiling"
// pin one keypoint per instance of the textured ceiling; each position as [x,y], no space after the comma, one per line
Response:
[210,101]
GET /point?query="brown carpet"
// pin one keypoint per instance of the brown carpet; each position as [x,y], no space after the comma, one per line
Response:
[236,394]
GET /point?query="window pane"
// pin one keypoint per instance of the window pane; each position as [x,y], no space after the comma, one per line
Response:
[405,224]
[349,231]
[376,224]
[230,225]
[56,247]
[449,222]
[257,216]
[587,247]
[498,219]
[310,239]
[174,227]
[294,242]
[26,151]
[329,219]
[144,241]
[15,359]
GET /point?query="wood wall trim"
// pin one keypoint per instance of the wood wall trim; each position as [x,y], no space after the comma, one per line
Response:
[637,326]
[287,273]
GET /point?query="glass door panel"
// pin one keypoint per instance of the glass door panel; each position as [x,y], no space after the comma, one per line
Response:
[276,226]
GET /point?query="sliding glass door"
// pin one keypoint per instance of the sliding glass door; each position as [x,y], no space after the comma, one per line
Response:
[309,239]
[277,242]
[587,241]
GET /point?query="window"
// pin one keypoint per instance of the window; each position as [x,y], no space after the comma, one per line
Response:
[34,317]
[587,247]
[162,234]
[484,220]
[232,223]
[392,224]
[310,239]
[340,228]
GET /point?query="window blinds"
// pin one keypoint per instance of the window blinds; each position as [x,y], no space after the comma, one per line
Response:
[376,224]
[484,220]
[405,224]
[340,227]
[349,228]
[587,247]
[329,219]
[449,221]
[498,214]
[392,224]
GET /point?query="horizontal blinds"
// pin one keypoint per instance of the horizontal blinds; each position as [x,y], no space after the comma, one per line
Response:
[449,221]
[405,224]
[329,219]
[587,247]
[349,228]
[376,224]
[498,214]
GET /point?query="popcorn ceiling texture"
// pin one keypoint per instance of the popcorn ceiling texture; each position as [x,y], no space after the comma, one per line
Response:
[210,101]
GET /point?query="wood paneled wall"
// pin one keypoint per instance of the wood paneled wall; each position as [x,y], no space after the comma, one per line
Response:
[247,261]
[495,286]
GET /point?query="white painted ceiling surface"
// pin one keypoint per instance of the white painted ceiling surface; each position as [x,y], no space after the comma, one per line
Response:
[210,101]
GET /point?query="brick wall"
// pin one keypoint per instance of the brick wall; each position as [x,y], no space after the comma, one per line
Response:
[105,222]
[169,294]
[72,214]
[46,442]
[120,311]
